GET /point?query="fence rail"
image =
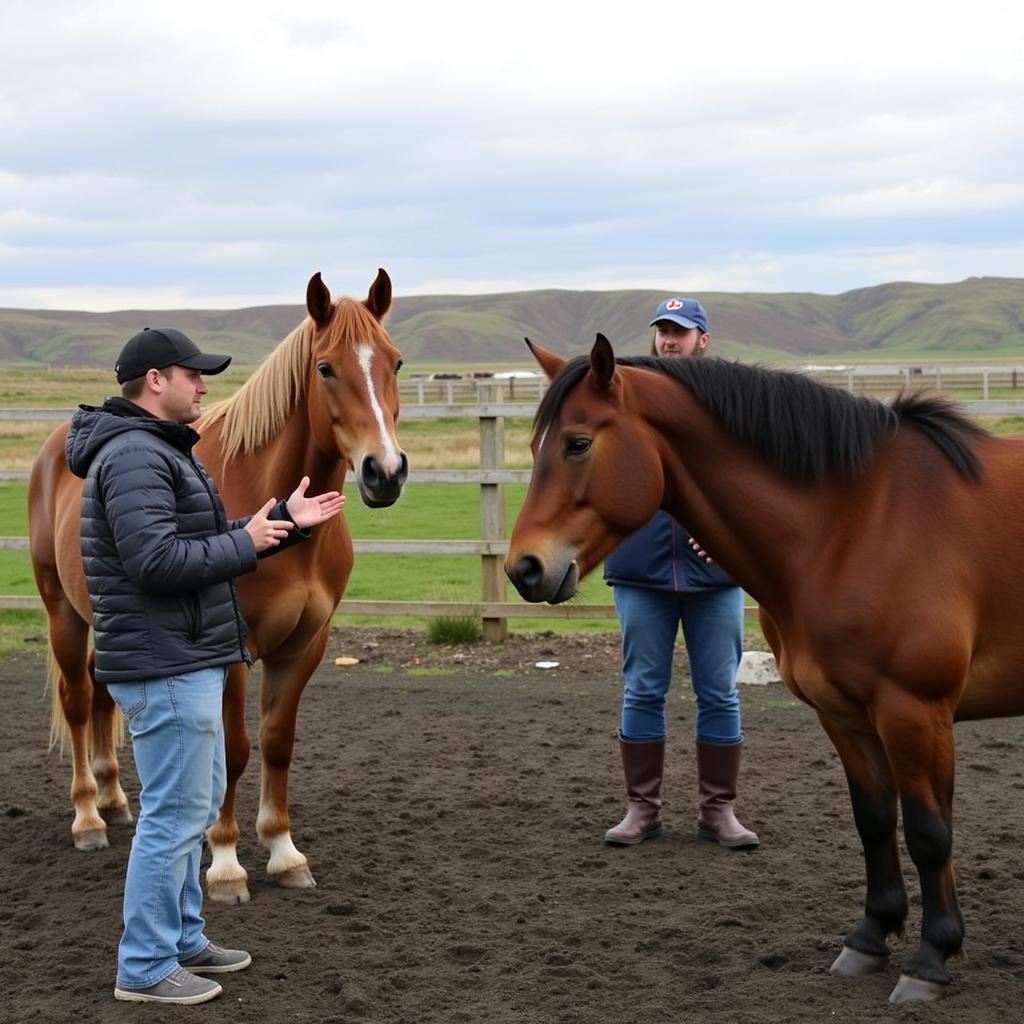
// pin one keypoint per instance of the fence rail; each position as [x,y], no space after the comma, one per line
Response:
[493,609]
[975,406]
[864,379]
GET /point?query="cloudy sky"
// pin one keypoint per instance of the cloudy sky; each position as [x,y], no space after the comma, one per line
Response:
[216,154]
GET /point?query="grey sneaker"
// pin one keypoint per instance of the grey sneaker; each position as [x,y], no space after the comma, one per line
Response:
[178,987]
[214,960]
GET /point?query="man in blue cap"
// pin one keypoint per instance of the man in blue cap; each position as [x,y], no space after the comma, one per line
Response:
[659,581]
[680,328]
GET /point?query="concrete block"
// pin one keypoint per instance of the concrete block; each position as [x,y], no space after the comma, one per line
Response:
[758,667]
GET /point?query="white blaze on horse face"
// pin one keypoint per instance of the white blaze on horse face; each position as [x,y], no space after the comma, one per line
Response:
[392,461]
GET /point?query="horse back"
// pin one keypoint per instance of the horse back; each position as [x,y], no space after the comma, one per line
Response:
[55,526]
[993,543]
[918,582]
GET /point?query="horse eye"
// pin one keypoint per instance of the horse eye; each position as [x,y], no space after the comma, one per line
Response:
[325,370]
[398,366]
[577,445]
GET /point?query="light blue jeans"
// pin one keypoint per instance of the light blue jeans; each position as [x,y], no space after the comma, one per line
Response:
[712,623]
[177,734]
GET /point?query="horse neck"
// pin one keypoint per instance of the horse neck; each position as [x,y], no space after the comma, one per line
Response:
[757,523]
[277,465]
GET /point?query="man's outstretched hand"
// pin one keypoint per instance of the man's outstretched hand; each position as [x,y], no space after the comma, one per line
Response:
[267,533]
[309,511]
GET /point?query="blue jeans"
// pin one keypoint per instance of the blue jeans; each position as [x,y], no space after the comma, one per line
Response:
[712,623]
[177,734]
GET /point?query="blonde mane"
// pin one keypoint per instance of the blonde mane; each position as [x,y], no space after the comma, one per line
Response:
[257,412]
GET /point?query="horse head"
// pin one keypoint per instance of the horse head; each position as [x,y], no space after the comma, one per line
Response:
[597,476]
[353,388]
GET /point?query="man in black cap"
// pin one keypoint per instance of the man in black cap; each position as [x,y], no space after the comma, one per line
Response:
[161,350]
[161,561]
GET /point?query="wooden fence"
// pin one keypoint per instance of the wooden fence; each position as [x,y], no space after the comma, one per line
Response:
[494,608]
[960,382]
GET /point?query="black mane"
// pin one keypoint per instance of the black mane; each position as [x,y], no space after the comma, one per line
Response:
[805,428]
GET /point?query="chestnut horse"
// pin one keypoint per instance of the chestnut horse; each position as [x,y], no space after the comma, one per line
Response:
[323,402]
[883,543]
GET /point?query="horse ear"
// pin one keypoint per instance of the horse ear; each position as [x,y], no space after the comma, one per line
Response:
[549,362]
[378,302]
[318,301]
[602,363]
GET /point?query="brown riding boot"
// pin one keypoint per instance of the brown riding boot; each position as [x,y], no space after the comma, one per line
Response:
[718,766]
[642,764]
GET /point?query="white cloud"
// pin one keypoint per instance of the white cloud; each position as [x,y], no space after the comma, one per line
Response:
[208,150]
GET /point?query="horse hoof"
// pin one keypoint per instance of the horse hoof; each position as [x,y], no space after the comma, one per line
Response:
[120,815]
[234,891]
[92,839]
[915,990]
[299,877]
[852,963]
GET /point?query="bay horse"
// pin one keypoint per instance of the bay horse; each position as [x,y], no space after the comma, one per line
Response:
[324,401]
[883,543]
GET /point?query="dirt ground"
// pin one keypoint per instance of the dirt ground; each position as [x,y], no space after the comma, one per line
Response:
[452,803]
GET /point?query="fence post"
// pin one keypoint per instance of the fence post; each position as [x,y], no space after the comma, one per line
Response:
[492,515]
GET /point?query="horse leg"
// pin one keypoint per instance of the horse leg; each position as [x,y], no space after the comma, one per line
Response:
[110,799]
[73,697]
[226,878]
[284,679]
[873,796]
[918,738]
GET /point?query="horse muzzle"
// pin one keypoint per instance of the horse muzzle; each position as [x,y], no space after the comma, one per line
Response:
[377,487]
[537,582]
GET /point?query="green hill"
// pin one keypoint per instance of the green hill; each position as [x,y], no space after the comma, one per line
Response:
[978,317]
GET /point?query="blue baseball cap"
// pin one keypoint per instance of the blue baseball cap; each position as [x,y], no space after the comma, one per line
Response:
[685,312]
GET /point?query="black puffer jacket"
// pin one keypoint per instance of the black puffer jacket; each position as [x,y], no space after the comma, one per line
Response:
[161,558]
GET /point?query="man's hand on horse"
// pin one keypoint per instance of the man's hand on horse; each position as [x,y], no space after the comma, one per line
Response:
[307,511]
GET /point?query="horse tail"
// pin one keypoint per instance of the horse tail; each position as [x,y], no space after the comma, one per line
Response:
[60,734]
[120,728]
[59,731]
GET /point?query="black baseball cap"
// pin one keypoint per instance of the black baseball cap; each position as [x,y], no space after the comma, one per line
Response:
[153,348]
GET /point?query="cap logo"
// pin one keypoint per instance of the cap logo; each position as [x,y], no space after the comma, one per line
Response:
[673,304]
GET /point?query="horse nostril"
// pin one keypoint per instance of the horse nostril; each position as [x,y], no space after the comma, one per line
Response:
[375,476]
[528,571]
[371,471]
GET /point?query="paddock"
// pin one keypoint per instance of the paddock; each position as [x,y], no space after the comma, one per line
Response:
[459,798]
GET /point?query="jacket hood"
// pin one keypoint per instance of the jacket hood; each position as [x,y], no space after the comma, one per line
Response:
[92,427]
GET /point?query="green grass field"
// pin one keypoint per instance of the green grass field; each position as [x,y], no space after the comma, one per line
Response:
[424,512]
